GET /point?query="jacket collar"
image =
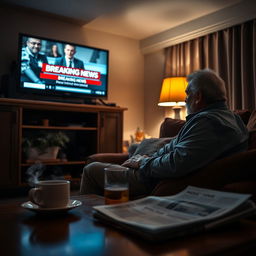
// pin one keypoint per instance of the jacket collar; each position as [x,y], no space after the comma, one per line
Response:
[221,105]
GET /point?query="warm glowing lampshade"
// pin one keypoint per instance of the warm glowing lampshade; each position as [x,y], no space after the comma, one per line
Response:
[173,91]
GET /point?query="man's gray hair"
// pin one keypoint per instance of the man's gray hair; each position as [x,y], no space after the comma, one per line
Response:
[209,84]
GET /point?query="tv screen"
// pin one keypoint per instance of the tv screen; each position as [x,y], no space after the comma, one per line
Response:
[51,67]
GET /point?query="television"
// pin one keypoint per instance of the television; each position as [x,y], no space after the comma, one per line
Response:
[54,69]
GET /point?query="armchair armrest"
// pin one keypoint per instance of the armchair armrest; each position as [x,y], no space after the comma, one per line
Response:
[222,174]
[114,158]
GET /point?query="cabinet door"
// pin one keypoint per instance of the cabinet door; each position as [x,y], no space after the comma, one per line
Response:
[9,156]
[111,128]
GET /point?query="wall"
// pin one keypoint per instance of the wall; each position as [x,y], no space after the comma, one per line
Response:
[154,69]
[126,61]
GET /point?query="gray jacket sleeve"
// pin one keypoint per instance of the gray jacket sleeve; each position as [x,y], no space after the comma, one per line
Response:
[195,146]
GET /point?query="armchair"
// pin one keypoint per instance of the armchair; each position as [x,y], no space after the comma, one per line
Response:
[236,173]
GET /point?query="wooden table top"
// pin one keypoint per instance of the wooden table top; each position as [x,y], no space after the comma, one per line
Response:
[76,232]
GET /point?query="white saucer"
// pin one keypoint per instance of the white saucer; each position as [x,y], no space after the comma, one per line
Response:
[33,207]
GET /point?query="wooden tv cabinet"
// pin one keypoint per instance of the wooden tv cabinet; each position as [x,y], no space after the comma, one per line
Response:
[91,129]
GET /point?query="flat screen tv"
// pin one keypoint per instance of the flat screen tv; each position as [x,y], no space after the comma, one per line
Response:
[53,68]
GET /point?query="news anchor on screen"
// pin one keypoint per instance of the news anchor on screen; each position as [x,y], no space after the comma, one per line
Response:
[69,60]
[32,61]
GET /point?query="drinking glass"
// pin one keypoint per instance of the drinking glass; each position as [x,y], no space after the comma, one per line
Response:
[116,186]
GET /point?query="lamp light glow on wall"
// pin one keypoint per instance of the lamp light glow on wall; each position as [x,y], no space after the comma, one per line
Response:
[173,94]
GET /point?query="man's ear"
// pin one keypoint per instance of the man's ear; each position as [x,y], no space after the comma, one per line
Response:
[199,98]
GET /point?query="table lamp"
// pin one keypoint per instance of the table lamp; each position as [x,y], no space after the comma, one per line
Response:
[173,94]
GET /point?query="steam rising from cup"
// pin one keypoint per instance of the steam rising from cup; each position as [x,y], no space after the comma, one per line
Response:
[37,170]
[34,172]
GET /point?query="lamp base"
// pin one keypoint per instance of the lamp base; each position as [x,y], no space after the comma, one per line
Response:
[176,112]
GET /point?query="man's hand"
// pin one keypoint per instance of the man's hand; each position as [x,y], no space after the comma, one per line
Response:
[134,161]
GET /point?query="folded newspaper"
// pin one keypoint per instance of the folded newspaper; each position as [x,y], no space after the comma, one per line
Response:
[192,210]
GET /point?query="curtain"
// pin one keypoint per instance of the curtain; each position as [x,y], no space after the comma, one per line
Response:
[230,52]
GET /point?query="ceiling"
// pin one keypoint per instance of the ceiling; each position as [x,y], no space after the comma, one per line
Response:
[137,19]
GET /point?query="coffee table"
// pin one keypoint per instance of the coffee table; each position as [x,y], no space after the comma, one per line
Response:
[76,232]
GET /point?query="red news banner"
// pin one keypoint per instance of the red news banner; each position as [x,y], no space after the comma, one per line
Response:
[61,73]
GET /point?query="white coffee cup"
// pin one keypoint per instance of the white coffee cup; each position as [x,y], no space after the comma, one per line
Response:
[51,193]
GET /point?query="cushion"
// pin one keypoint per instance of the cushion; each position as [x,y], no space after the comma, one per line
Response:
[150,146]
[132,148]
[170,127]
[252,121]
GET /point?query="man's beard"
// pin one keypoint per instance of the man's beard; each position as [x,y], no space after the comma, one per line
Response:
[189,111]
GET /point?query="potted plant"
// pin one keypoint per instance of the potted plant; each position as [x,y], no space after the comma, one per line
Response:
[44,145]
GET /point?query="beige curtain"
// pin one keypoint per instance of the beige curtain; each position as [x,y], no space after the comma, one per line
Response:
[230,52]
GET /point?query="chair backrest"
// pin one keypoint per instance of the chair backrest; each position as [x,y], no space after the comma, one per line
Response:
[170,127]
[244,114]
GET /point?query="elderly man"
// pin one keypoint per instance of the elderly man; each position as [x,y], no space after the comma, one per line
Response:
[211,132]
